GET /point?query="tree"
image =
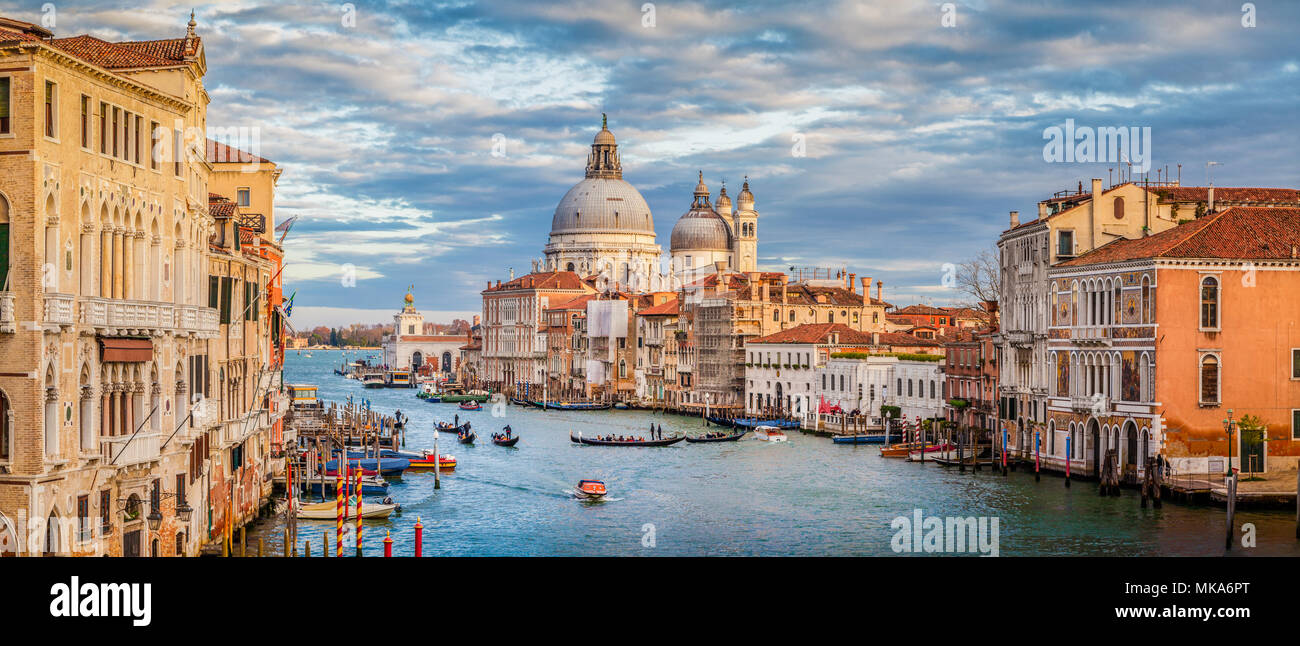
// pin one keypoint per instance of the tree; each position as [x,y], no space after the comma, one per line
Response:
[979,279]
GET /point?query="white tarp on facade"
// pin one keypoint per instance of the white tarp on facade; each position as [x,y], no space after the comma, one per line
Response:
[607,318]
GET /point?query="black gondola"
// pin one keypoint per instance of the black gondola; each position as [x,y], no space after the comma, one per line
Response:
[451,428]
[724,438]
[467,438]
[501,440]
[721,421]
[665,442]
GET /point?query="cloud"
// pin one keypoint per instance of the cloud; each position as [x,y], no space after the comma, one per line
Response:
[918,138]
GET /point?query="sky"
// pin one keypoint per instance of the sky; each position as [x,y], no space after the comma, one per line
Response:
[891,138]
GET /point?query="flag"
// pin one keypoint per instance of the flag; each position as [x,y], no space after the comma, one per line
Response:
[288,305]
[283,228]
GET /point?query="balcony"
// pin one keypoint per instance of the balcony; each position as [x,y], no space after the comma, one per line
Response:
[7,323]
[60,310]
[1020,338]
[127,317]
[192,319]
[1095,404]
[123,451]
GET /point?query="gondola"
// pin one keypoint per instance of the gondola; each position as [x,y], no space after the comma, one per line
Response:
[725,438]
[522,402]
[452,428]
[577,439]
[501,440]
[721,421]
[467,438]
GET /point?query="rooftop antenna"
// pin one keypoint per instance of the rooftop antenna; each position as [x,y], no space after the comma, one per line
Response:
[1109,172]
[1180,174]
[1208,164]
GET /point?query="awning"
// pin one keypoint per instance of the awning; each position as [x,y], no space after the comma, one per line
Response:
[121,350]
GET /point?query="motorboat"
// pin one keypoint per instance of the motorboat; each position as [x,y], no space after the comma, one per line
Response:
[590,489]
[770,434]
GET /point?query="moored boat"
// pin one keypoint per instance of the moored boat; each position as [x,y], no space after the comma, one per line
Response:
[373,381]
[770,434]
[328,510]
[371,466]
[860,439]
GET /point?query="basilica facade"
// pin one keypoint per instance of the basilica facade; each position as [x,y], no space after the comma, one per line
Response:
[603,227]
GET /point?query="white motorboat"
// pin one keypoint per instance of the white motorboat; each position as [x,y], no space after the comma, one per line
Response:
[770,434]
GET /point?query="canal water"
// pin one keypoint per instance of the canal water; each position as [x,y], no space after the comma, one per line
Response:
[807,497]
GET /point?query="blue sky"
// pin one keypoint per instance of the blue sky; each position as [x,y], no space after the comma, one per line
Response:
[919,138]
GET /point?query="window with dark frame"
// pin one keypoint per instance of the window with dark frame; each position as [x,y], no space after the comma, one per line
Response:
[1209,302]
[85,121]
[49,109]
[5,115]
[103,128]
[84,531]
[106,512]
[1210,380]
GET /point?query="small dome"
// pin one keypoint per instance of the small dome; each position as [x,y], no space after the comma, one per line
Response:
[701,230]
[604,137]
[409,298]
[746,198]
[724,202]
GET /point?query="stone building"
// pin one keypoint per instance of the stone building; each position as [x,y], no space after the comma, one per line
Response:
[1070,224]
[129,387]
[409,348]
[602,226]
[1152,341]
[514,326]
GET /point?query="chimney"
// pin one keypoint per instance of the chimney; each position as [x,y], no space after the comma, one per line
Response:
[1015,219]
[880,290]
[489,284]
[785,280]
[866,290]
[1042,210]
[765,292]
[875,338]
[853,282]
[1210,209]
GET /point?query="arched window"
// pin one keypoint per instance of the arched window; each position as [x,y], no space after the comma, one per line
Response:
[1119,208]
[6,433]
[776,317]
[622,369]
[1210,302]
[1051,437]
[1209,379]
[4,239]
[1074,306]
[792,316]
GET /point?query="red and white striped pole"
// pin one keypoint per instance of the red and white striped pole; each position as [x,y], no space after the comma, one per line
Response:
[357,490]
[340,483]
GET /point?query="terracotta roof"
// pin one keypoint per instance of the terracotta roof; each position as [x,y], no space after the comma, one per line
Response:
[1241,232]
[219,152]
[579,303]
[17,30]
[925,310]
[221,207]
[541,280]
[1247,195]
[667,308]
[902,338]
[112,55]
[815,333]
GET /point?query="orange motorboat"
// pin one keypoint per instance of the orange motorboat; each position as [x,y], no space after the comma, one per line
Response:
[445,462]
[590,489]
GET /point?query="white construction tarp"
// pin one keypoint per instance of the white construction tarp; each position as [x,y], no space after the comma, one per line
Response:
[595,372]
[607,318]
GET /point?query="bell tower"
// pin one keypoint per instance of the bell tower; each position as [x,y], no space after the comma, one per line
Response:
[745,227]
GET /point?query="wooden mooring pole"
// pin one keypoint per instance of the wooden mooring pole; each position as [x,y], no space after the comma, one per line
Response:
[1231,483]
